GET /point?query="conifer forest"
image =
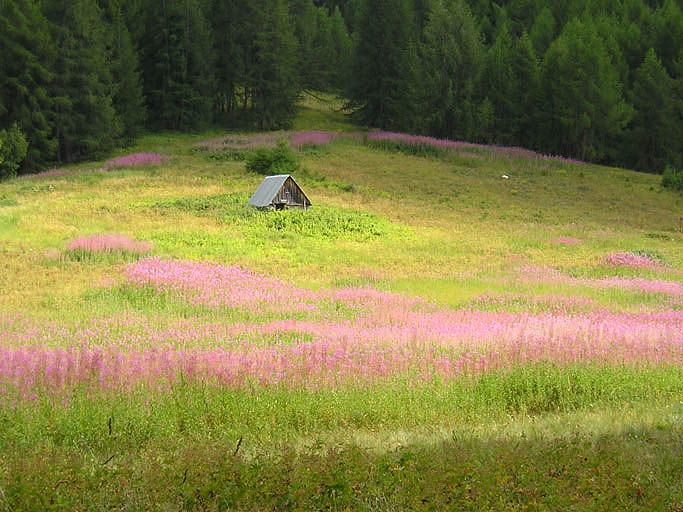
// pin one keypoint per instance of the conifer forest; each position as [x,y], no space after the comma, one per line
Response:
[596,80]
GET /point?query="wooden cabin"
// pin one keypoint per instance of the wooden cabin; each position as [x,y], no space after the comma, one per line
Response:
[279,192]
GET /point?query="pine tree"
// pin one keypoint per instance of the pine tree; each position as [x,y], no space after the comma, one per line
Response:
[453,59]
[343,49]
[324,57]
[668,32]
[633,34]
[583,110]
[523,13]
[307,31]
[678,108]
[421,9]
[273,79]
[380,75]
[607,28]
[86,124]
[525,70]
[654,140]
[543,31]
[129,101]
[501,87]
[27,56]
[234,24]
[178,66]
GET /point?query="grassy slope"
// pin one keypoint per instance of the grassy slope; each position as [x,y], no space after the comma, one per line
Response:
[454,229]
[458,217]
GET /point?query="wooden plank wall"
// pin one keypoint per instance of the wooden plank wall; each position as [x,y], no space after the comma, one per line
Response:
[291,194]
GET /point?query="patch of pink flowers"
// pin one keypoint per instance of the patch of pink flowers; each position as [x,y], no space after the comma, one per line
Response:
[318,354]
[136,159]
[445,144]
[124,161]
[314,138]
[215,285]
[112,242]
[320,338]
[566,240]
[629,259]
[535,274]
[319,138]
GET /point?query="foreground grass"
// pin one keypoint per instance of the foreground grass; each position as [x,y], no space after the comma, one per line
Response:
[581,439]
[634,468]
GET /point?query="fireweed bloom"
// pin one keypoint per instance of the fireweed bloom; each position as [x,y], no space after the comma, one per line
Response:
[296,337]
[136,159]
[108,243]
[629,259]
[457,146]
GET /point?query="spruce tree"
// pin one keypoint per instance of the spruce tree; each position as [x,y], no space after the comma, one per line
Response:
[453,58]
[27,55]
[583,110]
[129,101]
[178,67]
[501,87]
[654,139]
[380,75]
[86,124]
[274,80]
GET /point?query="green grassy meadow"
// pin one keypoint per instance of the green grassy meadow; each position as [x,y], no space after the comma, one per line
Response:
[598,433]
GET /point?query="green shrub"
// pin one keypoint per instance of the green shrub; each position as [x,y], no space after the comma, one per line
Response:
[673,179]
[323,222]
[652,254]
[319,222]
[13,148]
[279,160]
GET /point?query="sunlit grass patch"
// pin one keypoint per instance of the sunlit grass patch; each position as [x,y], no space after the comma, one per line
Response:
[320,221]
[7,201]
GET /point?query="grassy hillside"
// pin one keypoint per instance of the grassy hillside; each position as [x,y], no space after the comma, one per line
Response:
[429,335]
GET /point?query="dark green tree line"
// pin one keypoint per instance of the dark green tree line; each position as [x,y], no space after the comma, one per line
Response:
[79,77]
[596,80]
[593,79]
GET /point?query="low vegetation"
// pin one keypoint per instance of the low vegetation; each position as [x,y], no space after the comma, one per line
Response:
[428,336]
[673,179]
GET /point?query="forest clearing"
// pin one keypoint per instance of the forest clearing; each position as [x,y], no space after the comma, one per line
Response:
[426,336]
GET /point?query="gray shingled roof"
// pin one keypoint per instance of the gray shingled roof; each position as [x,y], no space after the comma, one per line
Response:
[268,190]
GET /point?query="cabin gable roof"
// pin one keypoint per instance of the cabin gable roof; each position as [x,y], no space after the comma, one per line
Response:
[269,189]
